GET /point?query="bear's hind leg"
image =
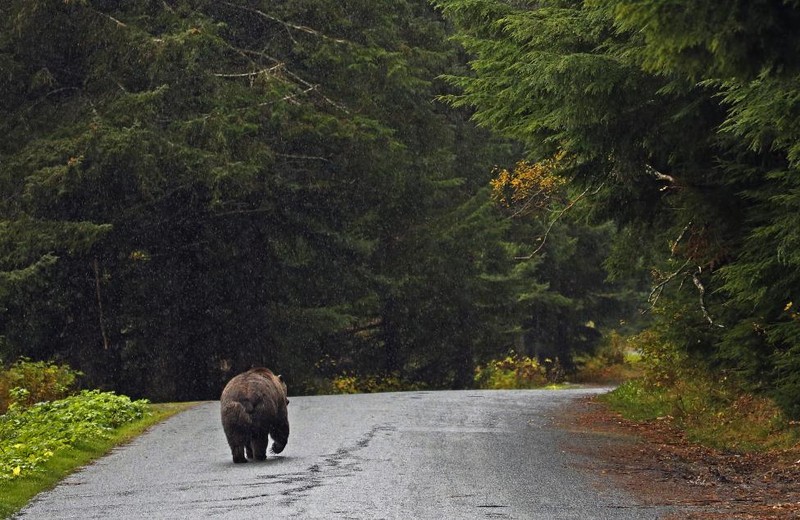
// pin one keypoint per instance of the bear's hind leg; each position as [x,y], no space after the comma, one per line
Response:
[260,449]
[238,454]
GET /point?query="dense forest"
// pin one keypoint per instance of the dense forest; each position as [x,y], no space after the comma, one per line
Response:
[679,120]
[193,187]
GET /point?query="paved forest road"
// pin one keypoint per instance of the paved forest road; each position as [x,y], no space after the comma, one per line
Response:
[417,455]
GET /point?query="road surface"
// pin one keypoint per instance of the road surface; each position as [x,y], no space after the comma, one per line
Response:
[414,455]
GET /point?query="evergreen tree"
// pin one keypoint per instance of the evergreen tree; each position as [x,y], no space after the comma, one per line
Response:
[192,187]
[683,117]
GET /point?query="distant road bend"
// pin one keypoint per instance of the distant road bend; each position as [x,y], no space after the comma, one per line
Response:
[414,455]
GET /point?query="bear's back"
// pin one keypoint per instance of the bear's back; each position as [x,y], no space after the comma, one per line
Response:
[258,390]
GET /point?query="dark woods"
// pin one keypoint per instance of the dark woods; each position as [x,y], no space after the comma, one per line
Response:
[191,188]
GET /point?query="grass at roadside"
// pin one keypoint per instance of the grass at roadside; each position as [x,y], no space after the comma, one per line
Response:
[711,413]
[15,493]
[711,407]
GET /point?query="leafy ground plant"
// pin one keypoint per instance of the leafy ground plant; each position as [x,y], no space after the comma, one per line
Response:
[30,436]
[41,445]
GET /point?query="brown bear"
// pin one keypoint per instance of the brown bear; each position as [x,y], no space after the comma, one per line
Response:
[253,406]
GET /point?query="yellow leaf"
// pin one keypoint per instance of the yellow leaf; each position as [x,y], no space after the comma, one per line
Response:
[788,306]
[16,471]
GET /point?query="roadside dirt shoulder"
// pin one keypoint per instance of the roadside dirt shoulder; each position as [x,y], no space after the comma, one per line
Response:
[656,463]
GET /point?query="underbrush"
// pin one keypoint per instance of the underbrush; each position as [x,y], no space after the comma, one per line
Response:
[30,436]
[518,372]
[710,413]
[38,381]
[711,408]
[17,491]
[47,430]
[616,361]
[354,384]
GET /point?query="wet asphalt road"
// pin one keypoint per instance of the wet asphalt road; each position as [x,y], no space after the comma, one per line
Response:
[415,455]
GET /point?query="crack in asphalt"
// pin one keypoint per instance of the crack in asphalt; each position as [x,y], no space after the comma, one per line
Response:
[341,464]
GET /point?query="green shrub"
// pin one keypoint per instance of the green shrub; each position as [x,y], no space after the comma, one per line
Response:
[30,436]
[513,372]
[665,364]
[639,402]
[709,405]
[38,381]
[352,384]
[617,360]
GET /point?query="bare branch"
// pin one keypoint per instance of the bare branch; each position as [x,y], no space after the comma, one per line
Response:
[655,294]
[680,237]
[526,205]
[244,52]
[290,97]
[702,290]
[291,78]
[302,157]
[268,71]
[103,334]
[658,289]
[543,238]
[315,88]
[660,176]
[108,16]
[286,24]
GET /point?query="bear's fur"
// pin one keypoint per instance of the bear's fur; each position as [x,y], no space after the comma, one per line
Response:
[254,405]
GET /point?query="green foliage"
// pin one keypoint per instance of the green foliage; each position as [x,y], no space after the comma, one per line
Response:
[27,382]
[191,188]
[639,402]
[30,436]
[683,119]
[513,372]
[353,384]
[18,491]
[616,360]
[711,411]
[710,406]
